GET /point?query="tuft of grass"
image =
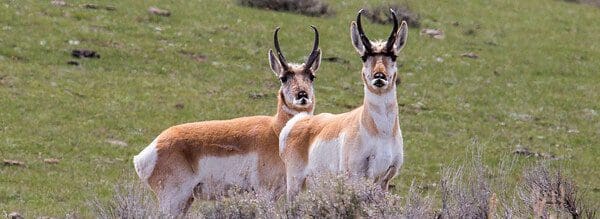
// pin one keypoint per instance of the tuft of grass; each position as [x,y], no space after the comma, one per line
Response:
[305,7]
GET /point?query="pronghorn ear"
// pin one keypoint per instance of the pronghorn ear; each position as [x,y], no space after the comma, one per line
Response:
[401,38]
[356,42]
[275,64]
[315,66]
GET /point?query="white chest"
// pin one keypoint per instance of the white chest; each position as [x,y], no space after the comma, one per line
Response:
[379,154]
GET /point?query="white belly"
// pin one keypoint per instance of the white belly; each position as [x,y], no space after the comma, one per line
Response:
[219,174]
[325,156]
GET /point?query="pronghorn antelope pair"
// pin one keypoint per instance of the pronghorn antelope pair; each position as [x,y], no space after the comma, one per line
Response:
[285,151]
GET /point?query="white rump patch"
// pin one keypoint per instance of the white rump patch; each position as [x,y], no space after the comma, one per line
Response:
[287,129]
[145,161]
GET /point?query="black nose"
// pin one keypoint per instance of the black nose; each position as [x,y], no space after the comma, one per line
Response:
[379,75]
[302,94]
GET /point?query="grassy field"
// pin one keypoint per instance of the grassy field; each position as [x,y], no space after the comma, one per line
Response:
[534,85]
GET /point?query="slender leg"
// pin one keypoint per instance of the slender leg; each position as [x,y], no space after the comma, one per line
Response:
[389,174]
[295,181]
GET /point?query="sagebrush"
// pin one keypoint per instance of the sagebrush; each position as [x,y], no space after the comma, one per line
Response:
[465,191]
[381,14]
[306,7]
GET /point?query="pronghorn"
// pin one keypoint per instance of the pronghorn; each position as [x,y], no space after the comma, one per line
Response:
[365,142]
[207,158]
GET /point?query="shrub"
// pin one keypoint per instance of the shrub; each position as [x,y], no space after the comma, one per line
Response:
[381,14]
[589,2]
[238,204]
[466,192]
[305,7]
[548,193]
[130,200]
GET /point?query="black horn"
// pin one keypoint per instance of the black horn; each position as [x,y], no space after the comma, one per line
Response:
[278,50]
[315,51]
[391,40]
[366,42]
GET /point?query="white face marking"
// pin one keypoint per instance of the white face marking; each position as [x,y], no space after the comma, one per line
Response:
[286,130]
[385,83]
[217,174]
[145,161]
[298,102]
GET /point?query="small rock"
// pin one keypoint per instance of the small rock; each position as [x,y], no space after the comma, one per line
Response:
[433,33]
[13,163]
[257,95]
[90,6]
[336,59]
[158,11]
[179,106]
[589,113]
[521,117]
[4,79]
[74,42]
[59,3]
[572,131]
[15,215]
[84,53]
[110,8]
[51,160]
[520,150]
[439,59]
[196,57]
[117,142]
[416,107]
[471,55]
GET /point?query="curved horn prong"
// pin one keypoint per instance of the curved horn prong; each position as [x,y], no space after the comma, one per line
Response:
[278,50]
[366,42]
[391,40]
[315,51]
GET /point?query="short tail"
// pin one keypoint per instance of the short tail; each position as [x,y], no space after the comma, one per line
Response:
[145,161]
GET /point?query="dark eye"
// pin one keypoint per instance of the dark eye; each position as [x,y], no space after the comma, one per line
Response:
[312,77]
[283,79]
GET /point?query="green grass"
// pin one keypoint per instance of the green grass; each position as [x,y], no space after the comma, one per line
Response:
[539,58]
